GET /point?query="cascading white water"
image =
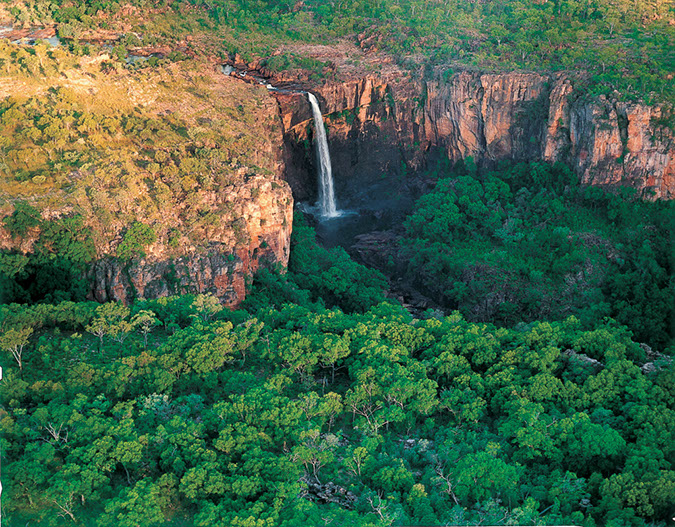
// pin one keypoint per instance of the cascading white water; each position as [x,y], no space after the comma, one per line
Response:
[326,204]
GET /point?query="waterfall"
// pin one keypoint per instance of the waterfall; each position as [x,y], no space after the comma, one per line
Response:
[326,204]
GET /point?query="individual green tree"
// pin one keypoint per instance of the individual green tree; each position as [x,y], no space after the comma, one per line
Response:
[99,327]
[134,241]
[298,353]
[330,408]
[212,348]
[144,321]
[394,476]
[314,451]
[246,335]
[63,495]
[203,481]
[68,237]
[27,477]
[24,218]
[14,341]
[419,505]
[365,400]
[333,349]
[207,306]
[12,264]
[111,319]
[135,506]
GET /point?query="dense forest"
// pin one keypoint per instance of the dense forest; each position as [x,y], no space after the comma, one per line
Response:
[527,242]
[318,402]
[540,390]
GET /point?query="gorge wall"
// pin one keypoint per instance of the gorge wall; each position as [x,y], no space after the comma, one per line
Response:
[380,128]
[221,185]
[258,237]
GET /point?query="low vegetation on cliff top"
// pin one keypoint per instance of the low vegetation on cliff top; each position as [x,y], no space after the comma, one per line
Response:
[624,45]
[97,162]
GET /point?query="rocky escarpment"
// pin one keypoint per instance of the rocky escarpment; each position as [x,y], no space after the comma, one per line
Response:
[258,237]
[383,127]
[172,177]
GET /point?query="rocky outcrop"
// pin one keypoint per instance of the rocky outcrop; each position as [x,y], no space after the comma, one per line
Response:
[258,237]
[655,361]
[583,359]
[379,128]
[328,493]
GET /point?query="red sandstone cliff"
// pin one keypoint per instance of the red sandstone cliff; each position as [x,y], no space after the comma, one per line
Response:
[380,127]
[259,237]
[518,116]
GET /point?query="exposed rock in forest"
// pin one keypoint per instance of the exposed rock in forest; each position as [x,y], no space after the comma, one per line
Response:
[582,358]
[328,493]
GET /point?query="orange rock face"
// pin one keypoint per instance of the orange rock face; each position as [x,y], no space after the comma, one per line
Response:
[490,117]
[264,209]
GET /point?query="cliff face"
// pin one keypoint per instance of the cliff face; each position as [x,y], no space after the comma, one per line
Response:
[208,180]
[376,127]
[370,135]
[259,237]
